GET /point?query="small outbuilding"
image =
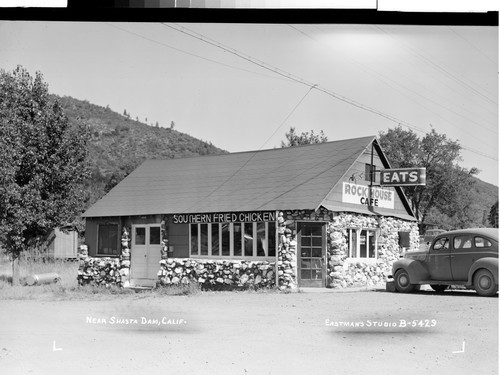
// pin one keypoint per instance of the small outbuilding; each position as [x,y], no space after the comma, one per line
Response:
[60,244]
[305,216]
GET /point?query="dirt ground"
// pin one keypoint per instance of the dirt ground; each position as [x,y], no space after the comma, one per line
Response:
[253,333]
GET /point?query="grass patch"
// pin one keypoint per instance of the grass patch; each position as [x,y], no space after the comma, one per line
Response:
[69,289]
[67,271]
[66,288]
[178,290]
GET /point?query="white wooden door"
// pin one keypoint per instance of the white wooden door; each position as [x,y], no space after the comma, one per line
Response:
[145,251]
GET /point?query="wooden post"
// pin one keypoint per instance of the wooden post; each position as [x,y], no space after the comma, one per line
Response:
[276,251]
[15,268]
[372,172]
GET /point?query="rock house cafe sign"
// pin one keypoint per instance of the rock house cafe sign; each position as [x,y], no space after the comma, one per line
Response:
[360,194]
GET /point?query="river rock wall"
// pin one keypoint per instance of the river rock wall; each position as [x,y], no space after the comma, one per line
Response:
[105,271]
[344,272]
[217,274]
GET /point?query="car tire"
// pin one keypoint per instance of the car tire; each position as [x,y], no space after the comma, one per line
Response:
[439,288]
[484,283]
[402,282]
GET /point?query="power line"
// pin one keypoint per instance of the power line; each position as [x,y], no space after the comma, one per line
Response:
[473,46]
[302,81]
[444,71]
[287,117]
[248,58]
[186,52]
[388,80]
[282,73]
[253,154]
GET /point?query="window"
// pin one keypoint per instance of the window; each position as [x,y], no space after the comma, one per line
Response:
[352,243]
[154,236]
[248,238]
[215,239]
[146,235]
[481,242]
[140,236]
[236,239]
[369,170]
[226,238]
[194,239]
[107,239]
[441,244]
[204,239]
[261,239]
[362,243]
[233,239]
[462,242]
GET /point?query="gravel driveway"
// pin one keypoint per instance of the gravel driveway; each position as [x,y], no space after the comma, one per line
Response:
[359,332]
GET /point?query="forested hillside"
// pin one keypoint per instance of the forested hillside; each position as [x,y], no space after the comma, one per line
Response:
[119,144]
[485,196]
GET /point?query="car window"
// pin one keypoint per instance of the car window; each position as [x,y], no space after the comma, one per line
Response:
[481,242]
[441,243]
[462,242]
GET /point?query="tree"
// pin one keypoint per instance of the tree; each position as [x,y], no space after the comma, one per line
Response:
[448,186]
[493,216]
[305,138]
[44,164]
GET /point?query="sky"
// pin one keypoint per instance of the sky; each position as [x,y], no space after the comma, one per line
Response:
[242,86]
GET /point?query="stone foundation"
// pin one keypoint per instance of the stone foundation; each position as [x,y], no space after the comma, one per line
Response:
[341,271]
[344,272]
[217,274]
[105,271]
[100,272]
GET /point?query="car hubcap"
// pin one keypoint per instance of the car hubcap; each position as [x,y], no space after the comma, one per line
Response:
[403,280]
[484,282]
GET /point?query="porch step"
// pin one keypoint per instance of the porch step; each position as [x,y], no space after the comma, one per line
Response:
[142,284]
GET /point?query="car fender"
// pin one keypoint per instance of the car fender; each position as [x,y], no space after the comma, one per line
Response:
[491,264]
[415,269]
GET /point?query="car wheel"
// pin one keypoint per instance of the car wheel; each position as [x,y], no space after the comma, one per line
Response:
[402,282]
[484,283]
[439,288]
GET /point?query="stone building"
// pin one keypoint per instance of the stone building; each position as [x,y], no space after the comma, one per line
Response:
[306,216]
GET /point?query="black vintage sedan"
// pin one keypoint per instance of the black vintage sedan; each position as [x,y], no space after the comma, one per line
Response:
[467,257]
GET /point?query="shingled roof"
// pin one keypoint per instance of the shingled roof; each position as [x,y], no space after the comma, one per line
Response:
[276,179]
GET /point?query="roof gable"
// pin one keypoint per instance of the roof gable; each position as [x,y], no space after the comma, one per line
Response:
[286,178]
[335,199]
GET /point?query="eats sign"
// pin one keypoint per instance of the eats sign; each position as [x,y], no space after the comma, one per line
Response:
[402,177]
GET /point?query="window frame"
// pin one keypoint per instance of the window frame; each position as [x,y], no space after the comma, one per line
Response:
[447,241]
[232,237]
[98,251]
[358,231]
[486,242]
[464,240]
